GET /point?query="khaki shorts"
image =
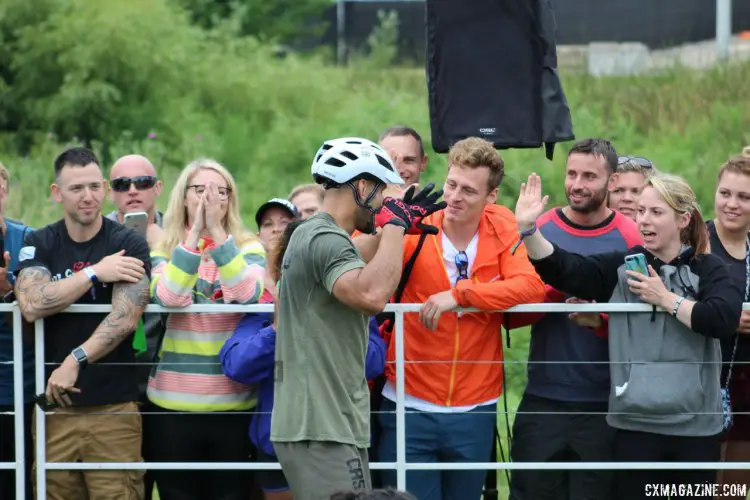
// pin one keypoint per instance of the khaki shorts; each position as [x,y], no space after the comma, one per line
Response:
[317,469]
[110,433]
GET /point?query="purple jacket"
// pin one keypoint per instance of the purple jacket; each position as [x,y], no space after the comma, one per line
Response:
[248,358]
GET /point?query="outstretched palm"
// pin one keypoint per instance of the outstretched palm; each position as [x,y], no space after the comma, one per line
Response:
[530,204]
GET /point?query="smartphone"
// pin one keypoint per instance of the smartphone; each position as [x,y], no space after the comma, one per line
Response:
[636,262]
[137,221]
[44,403]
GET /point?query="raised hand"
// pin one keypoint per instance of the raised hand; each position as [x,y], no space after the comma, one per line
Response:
[419,207]
[530,204]
[199,222]
[212,207]
[5,285]
[394,211]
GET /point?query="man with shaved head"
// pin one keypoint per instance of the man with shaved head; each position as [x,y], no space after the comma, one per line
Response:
[134,187]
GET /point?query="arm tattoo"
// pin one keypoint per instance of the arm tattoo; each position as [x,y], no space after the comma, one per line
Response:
[128,302]
[37,293]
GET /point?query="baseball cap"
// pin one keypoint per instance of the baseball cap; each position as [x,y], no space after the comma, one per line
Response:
[276,203]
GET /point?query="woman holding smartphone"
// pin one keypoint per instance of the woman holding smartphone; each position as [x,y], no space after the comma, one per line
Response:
[665,399]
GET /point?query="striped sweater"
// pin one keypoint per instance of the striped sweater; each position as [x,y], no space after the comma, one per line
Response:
[188,376]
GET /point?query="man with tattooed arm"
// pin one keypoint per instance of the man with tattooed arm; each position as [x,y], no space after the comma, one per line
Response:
[86,258]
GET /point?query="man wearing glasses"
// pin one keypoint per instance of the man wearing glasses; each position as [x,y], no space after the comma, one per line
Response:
[453,360]
[134,187]
[628,181]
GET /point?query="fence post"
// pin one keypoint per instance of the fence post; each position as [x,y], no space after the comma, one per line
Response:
[341,32]
[18,394]
[723,29]
[41,434]
[400,410]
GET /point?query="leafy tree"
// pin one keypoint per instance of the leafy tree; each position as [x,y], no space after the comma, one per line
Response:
[276,20]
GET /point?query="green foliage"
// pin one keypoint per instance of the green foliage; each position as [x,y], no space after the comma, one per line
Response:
[381,48]
[280,20]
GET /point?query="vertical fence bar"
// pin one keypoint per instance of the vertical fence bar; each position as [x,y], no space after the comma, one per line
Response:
[723,28]
[41,434]
[400,411]
[18,394]
[341,32]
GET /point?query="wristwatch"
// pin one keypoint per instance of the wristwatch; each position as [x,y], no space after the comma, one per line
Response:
[91,274]
[79,354]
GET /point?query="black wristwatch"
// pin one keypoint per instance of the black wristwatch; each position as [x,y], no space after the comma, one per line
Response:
[79,354]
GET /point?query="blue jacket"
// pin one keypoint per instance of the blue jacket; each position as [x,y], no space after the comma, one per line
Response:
[15,233]
[248,358]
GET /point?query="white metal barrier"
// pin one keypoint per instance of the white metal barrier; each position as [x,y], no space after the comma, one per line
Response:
[401,465]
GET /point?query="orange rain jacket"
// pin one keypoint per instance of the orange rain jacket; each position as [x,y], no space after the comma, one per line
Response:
[459,363]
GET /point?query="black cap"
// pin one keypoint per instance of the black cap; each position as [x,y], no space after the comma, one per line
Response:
[276,202]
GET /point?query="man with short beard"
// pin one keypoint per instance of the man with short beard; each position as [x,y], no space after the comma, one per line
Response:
[87,259]
[561,416]
[320,425]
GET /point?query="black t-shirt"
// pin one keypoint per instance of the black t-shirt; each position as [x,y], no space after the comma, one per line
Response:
[113,378]
[737,271]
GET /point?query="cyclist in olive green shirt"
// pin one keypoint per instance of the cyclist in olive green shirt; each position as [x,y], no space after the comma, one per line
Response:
[320,423]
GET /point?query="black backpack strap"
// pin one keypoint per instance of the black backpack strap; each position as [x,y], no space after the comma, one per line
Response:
[383,316]
[379,381]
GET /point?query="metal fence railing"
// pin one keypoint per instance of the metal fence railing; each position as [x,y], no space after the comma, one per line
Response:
[401,465]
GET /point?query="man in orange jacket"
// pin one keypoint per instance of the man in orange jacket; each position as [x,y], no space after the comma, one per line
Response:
[453,360]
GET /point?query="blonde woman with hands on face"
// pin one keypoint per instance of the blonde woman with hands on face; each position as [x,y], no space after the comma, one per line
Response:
[665,401]
[206,257]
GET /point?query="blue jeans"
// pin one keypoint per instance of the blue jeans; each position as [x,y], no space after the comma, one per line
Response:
[440,437]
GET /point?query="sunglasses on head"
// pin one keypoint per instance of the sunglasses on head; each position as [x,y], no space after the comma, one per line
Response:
[462,263]
[122,184]
[636,160]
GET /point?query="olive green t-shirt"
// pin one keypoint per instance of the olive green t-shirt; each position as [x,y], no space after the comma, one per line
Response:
[320,390]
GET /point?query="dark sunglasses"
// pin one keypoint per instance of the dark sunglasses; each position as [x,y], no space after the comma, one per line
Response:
[143,182]
[462,263]
[636,160]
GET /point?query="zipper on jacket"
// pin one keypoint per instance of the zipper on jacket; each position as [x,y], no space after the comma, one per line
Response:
[452,381]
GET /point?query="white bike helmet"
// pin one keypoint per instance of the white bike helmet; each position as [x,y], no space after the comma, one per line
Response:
[339,161]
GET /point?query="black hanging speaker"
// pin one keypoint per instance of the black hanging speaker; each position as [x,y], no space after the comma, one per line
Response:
[488,74]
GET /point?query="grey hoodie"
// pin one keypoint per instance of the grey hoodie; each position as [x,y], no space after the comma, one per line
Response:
[665,376]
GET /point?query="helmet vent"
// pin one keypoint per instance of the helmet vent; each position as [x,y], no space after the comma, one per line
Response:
[384,162]
[350,155]
[335,162]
